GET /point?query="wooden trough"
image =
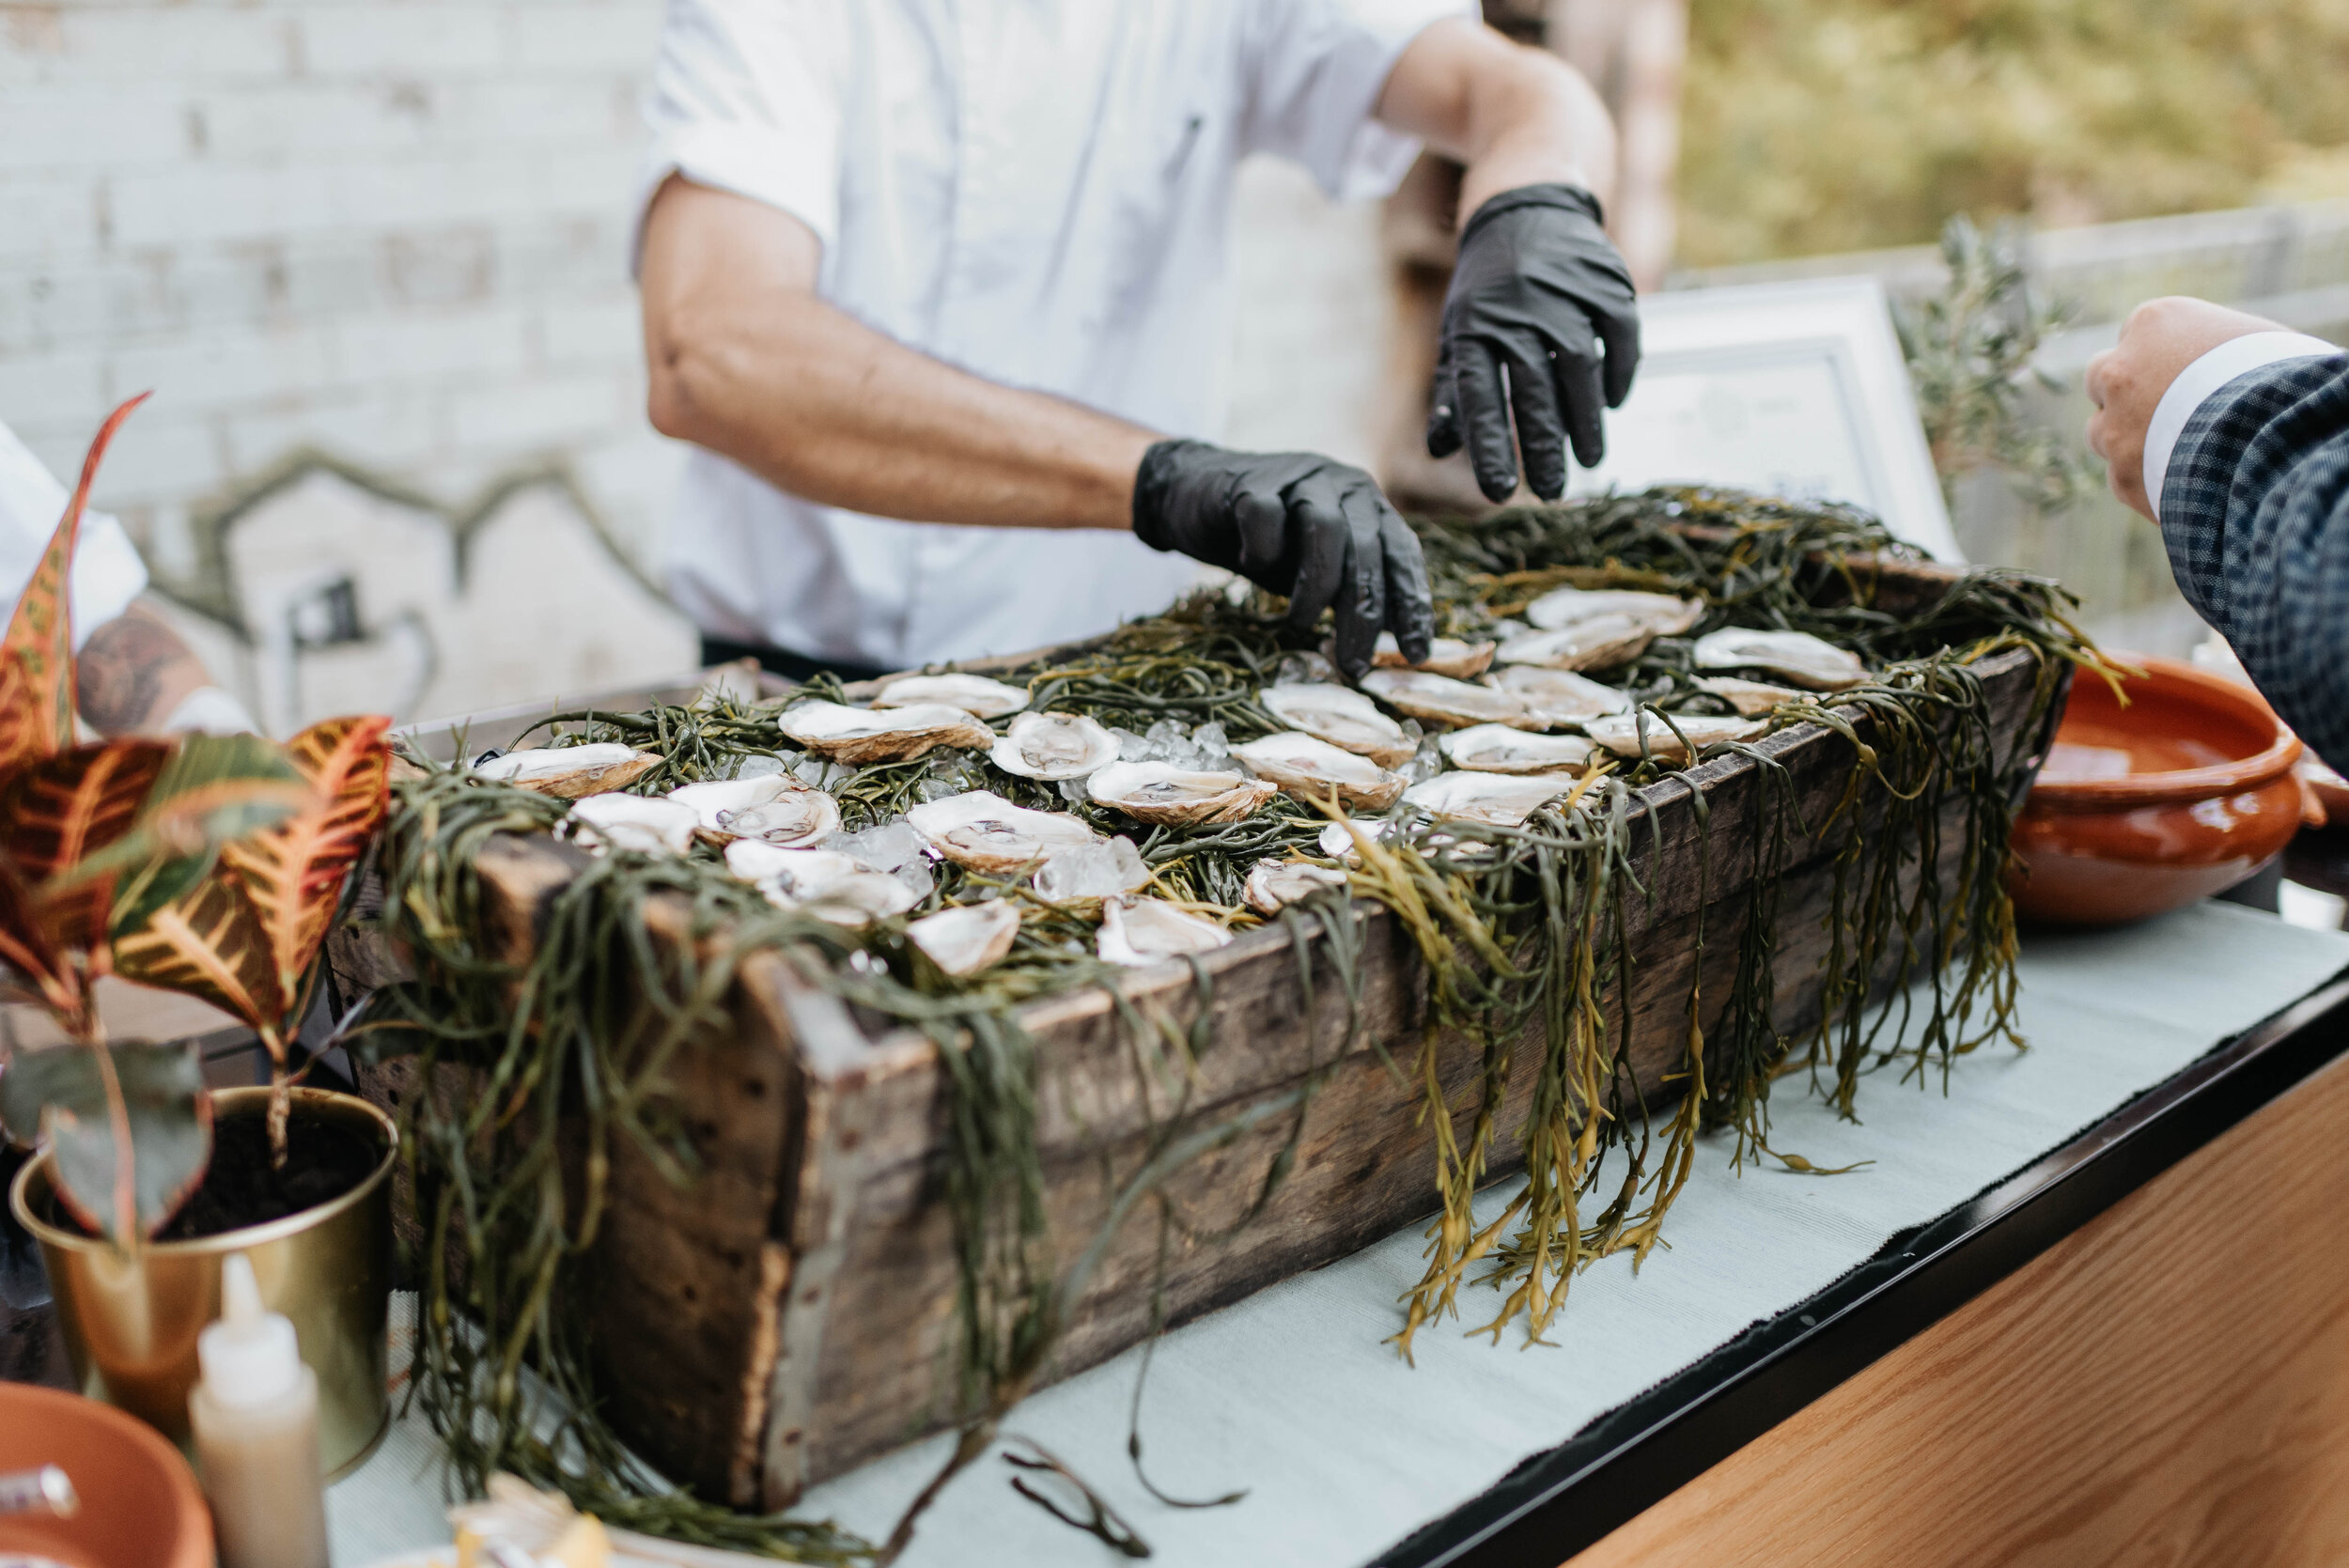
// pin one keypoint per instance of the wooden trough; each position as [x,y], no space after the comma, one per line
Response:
[791,1315]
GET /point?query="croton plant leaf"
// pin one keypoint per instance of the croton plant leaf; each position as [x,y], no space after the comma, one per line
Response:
[29,957]
[293,871]
[61,1092]
[57,810]
[37,651]
[209,943]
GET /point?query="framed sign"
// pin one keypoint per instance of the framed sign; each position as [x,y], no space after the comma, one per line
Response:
[1791,389]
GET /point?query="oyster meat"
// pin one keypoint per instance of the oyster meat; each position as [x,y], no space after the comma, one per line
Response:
[1446,655]
[969,938]
[1503,800]
[1054,746]
[1342,716]
[823,882]
[1161,792]
[1498,749]
[1274,883]
[862,734]
[1620,733]
[976,696]
[1453,703]
[1805,659]
[777,808]
[1140,931]
[1669,614]
[1751,698]
[567,772]
[1561,696]
[1311,768]
[1596,643]
[988,833]
[651,827]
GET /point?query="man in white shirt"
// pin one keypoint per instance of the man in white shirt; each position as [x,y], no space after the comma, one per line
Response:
[133,674]
[908,263]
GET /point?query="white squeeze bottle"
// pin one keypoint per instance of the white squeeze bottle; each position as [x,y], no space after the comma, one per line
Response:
[256,1413]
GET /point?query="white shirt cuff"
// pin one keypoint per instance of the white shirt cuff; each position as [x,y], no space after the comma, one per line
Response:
[2237,356]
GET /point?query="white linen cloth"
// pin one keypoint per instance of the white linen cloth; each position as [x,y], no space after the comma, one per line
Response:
[1345,1450]
[2198,383]
[107,572]
[1035,191]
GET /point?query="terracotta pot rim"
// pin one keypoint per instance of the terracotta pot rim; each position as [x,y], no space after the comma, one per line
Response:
[191,1547]
[20,1190]
[2183,785]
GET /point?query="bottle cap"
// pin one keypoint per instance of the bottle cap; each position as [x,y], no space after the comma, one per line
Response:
[250,1357]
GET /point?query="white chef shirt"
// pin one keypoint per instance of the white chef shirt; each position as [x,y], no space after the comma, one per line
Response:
[107,572]
[1035,191]
[2201,381]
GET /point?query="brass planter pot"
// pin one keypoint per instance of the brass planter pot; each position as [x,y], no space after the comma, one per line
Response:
[130,1322]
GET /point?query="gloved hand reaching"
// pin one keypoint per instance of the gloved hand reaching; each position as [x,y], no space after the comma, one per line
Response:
[1537,290]
[1295,523]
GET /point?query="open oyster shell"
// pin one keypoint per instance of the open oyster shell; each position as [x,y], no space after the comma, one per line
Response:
[988,833]
[1453,703]
[1054,746]
[1498,749]
[1342,716]
[1503,800]
[862,735]
[1310,769]
[1669,614]
[569,772]
[1446,655]
[822,882]
[651,826]
[1561,696]
[1751,698]
[1595,643]
[1805,659]
[1620,733]
[1337,841]
[1161,792]
[968,938]
[1140,931]
[1274,883]
[976,696]
[777,808]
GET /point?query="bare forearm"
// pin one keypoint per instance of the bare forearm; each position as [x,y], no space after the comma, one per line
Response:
[1513,115]
[746,361]
[132,673]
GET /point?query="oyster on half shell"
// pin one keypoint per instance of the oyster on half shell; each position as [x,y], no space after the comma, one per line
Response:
[1503,800]
[1274,883]
[1446,655]
[777,808]
[1498,749]
[1342,716]
[1620,733]
[651,826]
[1140,931]
[862,734]
[969,936]
[1751,698]
[1669,614]
[1595,643]
[569,772]
[988,833]
[1311,768]
[1453,703]
[976,696]
[1161,792]
[1054,746]
[823,882]
[1805,659]
[1561,696]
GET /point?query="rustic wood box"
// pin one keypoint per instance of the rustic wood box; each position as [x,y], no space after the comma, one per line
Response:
[790,1316]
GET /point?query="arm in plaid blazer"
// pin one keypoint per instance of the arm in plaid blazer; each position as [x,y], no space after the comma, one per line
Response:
[2255,513]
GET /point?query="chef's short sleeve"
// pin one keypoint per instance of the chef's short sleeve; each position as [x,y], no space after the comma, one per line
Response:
[1314,68]
[107,572]
[746,97]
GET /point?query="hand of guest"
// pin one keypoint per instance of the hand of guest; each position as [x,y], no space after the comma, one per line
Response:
[2160,339]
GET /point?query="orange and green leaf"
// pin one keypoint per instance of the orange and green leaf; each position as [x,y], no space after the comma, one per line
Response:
[37,651]
[32,955]
[57,810]
[293,872]
[210,944]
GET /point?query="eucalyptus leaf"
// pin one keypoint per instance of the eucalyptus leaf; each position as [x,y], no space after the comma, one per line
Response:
[61,1092]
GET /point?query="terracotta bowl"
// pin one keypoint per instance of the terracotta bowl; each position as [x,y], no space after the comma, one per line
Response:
[2141,809]
[140,1505]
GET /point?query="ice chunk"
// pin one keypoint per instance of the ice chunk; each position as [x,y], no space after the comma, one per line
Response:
[1073,791]
[1425,763]
[764,765]
[1093,871]
[817,773]
[1304,669]
[1214,748]
[917,876]
[879,849]
[1131,747]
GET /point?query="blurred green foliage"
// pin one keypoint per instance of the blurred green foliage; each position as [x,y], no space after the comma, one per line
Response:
[1816,126]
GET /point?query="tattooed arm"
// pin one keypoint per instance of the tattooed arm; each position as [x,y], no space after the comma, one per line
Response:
[133,671]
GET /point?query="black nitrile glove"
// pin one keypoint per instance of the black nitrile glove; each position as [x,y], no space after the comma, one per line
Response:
[1537,289]
[1318,531]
